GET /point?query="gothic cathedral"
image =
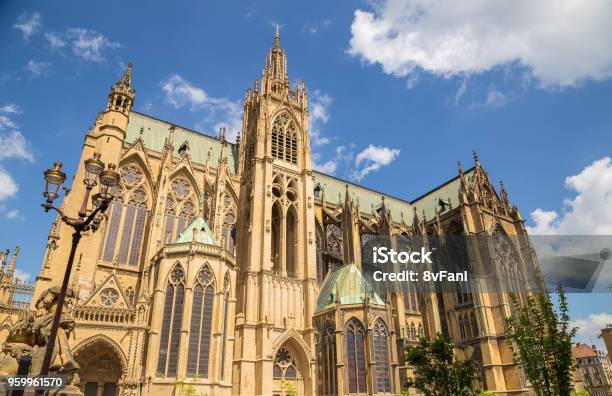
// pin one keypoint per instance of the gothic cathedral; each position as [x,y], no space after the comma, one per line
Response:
[235,268]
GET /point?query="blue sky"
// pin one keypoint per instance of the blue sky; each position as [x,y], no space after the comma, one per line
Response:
[399,91]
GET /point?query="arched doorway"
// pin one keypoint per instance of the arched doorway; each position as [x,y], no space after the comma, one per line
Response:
[101,367]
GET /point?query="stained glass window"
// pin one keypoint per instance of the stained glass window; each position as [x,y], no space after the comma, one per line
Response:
[327,361]
[126,235]
[180,187]
[381,355]
[201,323]
[355,351]
[171,324]
[113,230]
[131,175]
[334,241]
[109,297]
[138,235]
[284,365]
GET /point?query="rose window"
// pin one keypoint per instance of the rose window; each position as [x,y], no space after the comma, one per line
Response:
[177,275]
[140,196]
[131,175]
[180,188]
[205,277]
[109,297]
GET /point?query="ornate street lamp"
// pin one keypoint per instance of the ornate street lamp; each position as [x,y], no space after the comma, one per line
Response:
[54,178]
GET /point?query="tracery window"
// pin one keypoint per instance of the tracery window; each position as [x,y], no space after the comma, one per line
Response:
[228,231]
[333,241]
[381,356]
[284,138]
[319,260]
[328,385]
[180,187]
[108,297]
[201,324]
[171,325]
[127,223]
[112,230]
[181,208]
[131,175]
[284,365]
[355,354]
[508,262]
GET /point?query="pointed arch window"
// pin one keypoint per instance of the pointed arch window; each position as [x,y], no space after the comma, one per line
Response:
[474,324]
[284,138]
[127,222]
[201,324]
[228,231]
[319,261]
[333,241]
[112,230]
[328,385]
[381,356]
[355,354]
[171,325]
[291,242]
[508,263]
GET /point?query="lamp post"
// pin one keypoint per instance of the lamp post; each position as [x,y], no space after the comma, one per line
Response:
[54,178]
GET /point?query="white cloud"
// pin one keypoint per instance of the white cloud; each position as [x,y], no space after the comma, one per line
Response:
[560,42]
[22,275]
[11,108]
[12,214]
[371,159]
[55,40]
[38,69]
[28,24]
[589,212]
[590,328]
[319,114]
[12,145]
[221,112]
[85,44]
[89,44]
[328,167]
[8,187]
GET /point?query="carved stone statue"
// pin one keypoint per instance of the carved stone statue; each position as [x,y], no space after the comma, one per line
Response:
[31,335]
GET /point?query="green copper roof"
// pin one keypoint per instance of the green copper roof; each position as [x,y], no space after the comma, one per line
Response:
[346,285]
[334,188]
[203,233]
[156,131]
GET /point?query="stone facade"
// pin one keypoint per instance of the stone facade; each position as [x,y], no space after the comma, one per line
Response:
[595,369]
[207,269]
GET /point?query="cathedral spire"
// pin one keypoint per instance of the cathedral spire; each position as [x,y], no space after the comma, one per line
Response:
[275,78]
[122,94]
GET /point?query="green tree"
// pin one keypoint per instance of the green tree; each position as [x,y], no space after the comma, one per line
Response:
[289,389]
[543,343]
[436,372]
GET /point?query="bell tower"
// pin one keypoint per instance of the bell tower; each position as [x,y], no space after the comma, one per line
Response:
[276,232]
